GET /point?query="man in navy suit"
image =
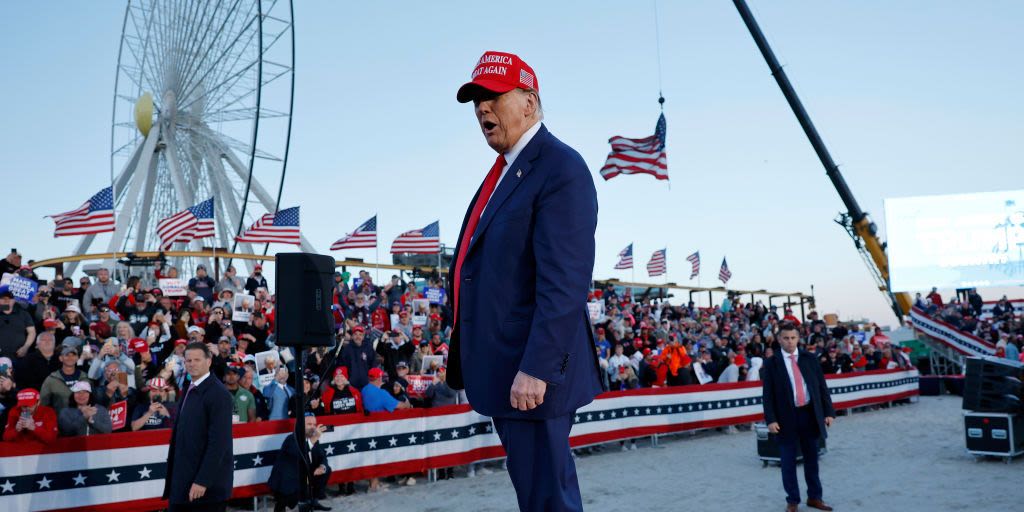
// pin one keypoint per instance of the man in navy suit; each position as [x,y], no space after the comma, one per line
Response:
[200,467]
[797,409]
[522,345]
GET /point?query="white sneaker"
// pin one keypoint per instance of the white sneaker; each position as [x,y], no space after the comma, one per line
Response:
[471,473]
[632,446]
[484,471]
[410,481]
[625,448]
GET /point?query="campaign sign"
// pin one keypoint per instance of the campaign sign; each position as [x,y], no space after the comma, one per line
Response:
[118,414]
[418,385]
[434,295]
[22,287]
[267,363]
[173,287]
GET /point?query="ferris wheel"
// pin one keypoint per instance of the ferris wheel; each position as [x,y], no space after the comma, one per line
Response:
[202,108]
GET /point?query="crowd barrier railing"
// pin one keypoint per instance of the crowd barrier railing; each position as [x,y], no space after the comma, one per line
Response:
[125,471]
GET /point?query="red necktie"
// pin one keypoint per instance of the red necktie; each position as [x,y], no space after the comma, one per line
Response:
[801,400]
[187,392]
[490,182]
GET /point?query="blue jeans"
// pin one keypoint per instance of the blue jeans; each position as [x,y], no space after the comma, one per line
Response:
[807,439]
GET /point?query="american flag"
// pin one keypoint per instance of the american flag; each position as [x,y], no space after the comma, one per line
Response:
[625,258]
[95,216]
[694,259]
[638,156]
[281,227]
[419,241]
[365,236]
[187,225]
[724,274]
[657,265]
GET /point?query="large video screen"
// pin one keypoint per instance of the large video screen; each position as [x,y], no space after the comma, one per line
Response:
[955,241]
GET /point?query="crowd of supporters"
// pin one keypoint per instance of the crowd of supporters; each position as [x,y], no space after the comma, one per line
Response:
[79,349]
[1002,324]
[653,343]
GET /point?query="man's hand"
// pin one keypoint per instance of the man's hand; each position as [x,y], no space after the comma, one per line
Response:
[319,470]
[23,350]
[527,392]
[197,491]
[773,427]
[829,420]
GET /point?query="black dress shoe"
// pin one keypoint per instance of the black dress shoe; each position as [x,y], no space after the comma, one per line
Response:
[320,506]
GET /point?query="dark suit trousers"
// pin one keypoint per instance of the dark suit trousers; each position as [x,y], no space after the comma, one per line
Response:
[319,489]
[807,439]
[540,463]
[198,507]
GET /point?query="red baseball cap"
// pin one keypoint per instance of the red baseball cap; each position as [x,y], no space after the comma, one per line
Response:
[498,72]
[358,328]
[28,397]
[138,345]
[180,341]
[342,370]
[375,373]
[49,323]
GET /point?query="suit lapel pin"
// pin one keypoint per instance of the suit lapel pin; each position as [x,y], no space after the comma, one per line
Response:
[519,173]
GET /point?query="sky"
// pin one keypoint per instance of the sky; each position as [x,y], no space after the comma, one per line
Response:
[912,98]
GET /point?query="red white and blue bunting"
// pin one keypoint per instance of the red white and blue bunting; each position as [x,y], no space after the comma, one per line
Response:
[126,471]
[962,342]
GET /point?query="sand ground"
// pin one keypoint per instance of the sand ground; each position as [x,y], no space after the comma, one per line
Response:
[906,458]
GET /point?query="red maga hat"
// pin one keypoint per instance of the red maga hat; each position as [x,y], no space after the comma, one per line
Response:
[498,72]
[28,397]
[138,345]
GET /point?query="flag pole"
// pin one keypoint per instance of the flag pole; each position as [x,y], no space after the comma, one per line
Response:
[376,248]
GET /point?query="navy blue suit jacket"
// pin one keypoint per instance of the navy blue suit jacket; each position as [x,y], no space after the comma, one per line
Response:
[525,279]
[284,477]
[778,402]
[201,450]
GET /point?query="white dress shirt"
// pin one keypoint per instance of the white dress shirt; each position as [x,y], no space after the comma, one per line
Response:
[200,380]
[512,154]
[788,360]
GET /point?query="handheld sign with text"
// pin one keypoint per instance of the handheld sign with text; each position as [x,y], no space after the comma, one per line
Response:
[418,385]
[434,295]
[22,288]
[118,414]
[173,287]
[266,370]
